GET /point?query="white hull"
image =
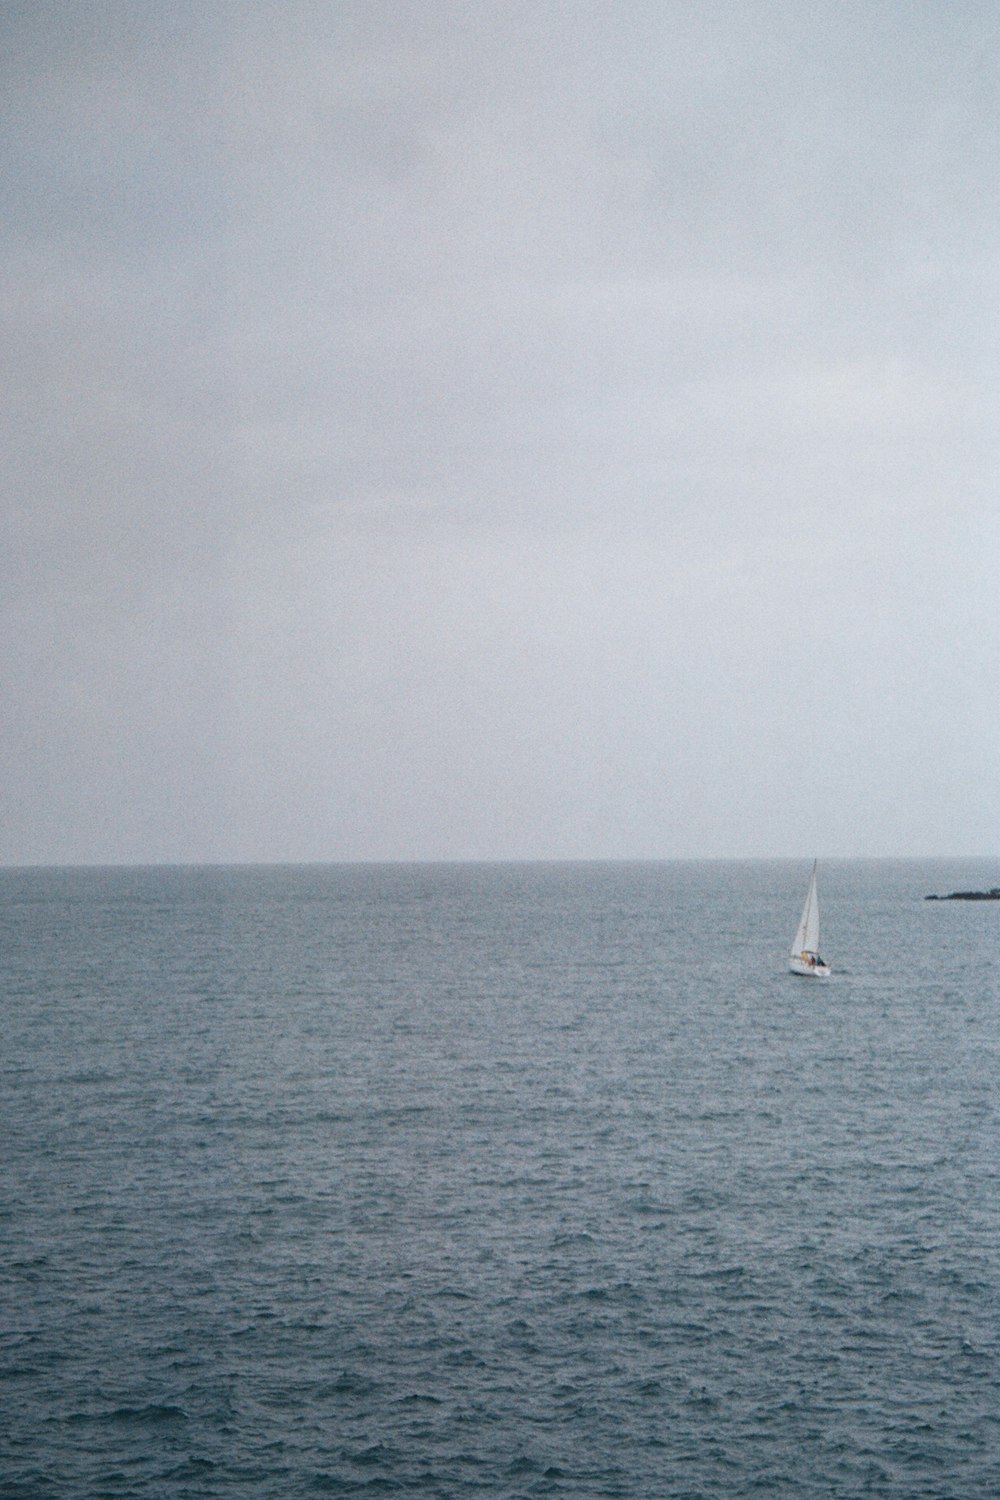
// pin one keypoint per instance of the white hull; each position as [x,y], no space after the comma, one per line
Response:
[810,971]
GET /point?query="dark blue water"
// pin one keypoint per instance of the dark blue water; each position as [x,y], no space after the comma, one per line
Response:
[500,1180]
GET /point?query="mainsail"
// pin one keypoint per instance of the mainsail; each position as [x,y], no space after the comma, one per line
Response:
[807,936]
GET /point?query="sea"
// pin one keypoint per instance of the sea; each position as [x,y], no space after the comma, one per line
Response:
[510,1180]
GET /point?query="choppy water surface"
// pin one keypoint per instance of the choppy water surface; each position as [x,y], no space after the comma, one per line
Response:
[500,1180]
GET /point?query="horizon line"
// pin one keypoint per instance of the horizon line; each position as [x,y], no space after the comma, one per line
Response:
[613,859]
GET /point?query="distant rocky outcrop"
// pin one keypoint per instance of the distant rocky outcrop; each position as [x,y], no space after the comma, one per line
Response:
[993,894]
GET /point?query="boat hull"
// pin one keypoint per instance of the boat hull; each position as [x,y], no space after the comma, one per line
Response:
[807,970]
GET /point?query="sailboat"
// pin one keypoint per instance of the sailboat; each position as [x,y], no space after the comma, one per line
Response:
[804,957]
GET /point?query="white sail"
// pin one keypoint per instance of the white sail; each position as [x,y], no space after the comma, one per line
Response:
[807,935]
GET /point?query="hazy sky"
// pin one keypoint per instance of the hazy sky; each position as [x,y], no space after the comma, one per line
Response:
[500,429]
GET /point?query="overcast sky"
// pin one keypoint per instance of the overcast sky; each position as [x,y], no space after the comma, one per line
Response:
[499,430]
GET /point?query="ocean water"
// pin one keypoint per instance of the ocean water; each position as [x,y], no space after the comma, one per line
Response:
[539,1180]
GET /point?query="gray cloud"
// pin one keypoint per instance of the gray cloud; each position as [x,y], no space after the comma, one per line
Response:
[511,430]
